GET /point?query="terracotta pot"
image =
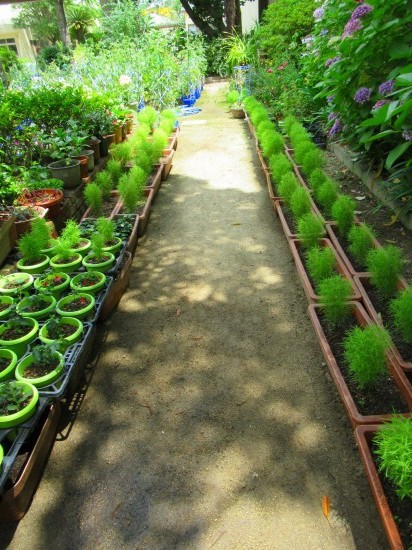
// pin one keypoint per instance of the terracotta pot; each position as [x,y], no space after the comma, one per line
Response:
[124,131]
[47,198]
[8,235]
[237,113]
[295,245]
[333,235]
[166,162]
[173,138]
[364,436]
[355,417]
[156,179]
[84,173]
[118,133]
[129,125]
[361,279]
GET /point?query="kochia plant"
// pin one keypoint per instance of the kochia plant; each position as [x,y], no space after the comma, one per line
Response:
[321,263]
[343,212]
[401,310]
[326,194]
[272,143]
[392,445]
[310,229]
[279,165]
[316,178]
[104,180]
[93,197]
[313,160]
[385,265]
[364,350]
[300,202]
[334,296]
[360,239]
[114,168]
[287,186]
[302,148]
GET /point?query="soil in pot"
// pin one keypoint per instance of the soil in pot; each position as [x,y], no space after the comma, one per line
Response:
[97,259]
[382,397]
[37,370]
[76,304]
[38,305]
[15,332]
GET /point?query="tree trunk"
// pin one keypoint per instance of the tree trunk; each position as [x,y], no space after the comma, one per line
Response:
[200,24]
[238,17]
[62,22]
[230,13]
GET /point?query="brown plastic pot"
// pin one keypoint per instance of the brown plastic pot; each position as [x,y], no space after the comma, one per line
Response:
[145,215]
[116,209]
[355,417]
[84,172]
[333,235]
[364,436]
[16,501]
[117,289]
[360,280]
[118,133]
[311,295]
[156,180]
[166,162]
[173,139]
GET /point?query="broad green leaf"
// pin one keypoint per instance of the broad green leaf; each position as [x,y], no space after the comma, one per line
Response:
[378,118]
[380,135]
[404,78]
[396,153]
[400,51]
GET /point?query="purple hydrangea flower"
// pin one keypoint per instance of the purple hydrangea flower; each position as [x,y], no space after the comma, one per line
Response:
[362,95]
[332,60]
[380,104]
[336,128]
[330,98]
[386,87]
[318,14]
[407,135]
[332,116]
[351,27]
[360,11]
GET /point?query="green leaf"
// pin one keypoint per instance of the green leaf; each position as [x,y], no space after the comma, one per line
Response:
[404,78]
[379,136]
[400,51]
[396,153]
[378,118]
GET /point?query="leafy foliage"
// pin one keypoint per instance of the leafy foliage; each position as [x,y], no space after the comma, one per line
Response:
[343,212]
[321,263]
[401,310]
[334,295]
[385,265]
[360,239]
[300,202]
[310,230]
[93,198]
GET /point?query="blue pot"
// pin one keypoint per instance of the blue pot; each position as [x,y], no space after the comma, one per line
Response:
[197,93]
[189,100]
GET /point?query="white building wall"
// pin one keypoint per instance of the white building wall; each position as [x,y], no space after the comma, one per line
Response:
[250,15]
[22,37]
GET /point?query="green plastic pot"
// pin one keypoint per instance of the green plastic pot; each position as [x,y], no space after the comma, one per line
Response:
[24,281]
[10,420]
[34,269]
[45,312]
[76,286]
[5,313]
[55,291]
[101,266]
[42,381]
[84,249]
[72,339]
[114,248]
[19,345]
[80,313]
[49,251]
[8,372]
[69,267]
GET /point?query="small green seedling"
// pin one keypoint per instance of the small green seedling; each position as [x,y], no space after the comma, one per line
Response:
[105,227]
[364,350]
[71,233]
[13,398]
[30,247]
[385,265]
[334,295]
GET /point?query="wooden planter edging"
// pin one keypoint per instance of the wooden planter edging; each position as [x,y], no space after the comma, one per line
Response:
[355,417]
[15,502]
[363,436]
[359,279]
[311,295]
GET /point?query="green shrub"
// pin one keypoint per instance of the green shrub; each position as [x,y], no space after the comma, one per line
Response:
[143,161]
[334,295]
[160,138]
[298,135]
[385,265]
[232,97]
[264,126]
[71,232]
[288,123]
[30,247]
[316,178]
[321,264]
[279,165]
[105,228]
[272,143]
[364,350]
[287,186]
[310,230]
[138,177]
[141,133]
[343,212]
[313,160]
[148,116]
[63,249]
[360,239]
[300,202]
[104,180]
[401,310]
[129,193]
[302,149]
[41,230]
[93,198]
[98,243]
[392,445]
[327,194]
[115,170]
[122,152]
[249,103]
[259,114]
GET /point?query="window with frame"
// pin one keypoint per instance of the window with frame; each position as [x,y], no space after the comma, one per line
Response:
[9,43]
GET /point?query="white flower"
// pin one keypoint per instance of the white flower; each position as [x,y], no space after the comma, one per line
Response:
[124,80]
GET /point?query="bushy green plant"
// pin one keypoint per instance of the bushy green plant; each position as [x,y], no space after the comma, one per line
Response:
[142,161]
[115,170]
[364,350]
[343,212]
[122,153]
[392,445]
[385,265]
[316,178]
[258,114]
[30,247]
[288,123]
[287,186]
[321,263]
[300,202]
[298,135]
[63,249]
[232,97]
[313,160]
[41,230]
[249,103]
[310,230]
[334,294]
[272,143]
[279,165]
[105,227]
[360,239]
[327,194]
[104,180]
[148,116]
[301,149]
[93,198]
[71,232]
[98,243]
[129,193]
[264,126]
[401,310]
[138,177]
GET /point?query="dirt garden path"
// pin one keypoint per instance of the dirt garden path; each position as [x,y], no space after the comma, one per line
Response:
[210,421]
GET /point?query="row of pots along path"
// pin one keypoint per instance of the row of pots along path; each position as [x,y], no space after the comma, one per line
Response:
[27,445]
[364,314]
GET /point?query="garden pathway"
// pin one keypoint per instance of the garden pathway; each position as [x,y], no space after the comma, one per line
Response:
[210,421]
